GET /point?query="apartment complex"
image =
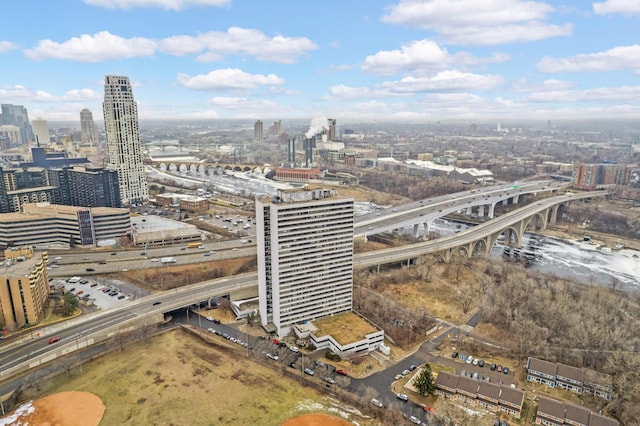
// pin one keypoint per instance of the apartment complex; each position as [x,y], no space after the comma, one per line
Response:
[44,224]
[124,150]
[591,176]
[493,397]
[24,287]
[305,257]
[578,380]
[557,413]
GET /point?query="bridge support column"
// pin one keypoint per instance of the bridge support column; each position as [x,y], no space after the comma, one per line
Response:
[480,211]
[427,226]
[468,211]
[492,207]
[416,230]
[554,214]
[515,199]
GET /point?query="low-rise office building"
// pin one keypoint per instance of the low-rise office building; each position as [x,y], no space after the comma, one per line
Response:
[45,225]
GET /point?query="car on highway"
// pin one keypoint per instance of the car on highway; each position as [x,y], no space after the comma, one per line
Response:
[90,269]
[155,260]
[54,340]
[156,303]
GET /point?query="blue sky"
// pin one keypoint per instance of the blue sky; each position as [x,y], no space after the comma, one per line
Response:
[417,60]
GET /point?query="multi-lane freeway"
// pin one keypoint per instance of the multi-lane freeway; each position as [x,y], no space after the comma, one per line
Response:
[80,332]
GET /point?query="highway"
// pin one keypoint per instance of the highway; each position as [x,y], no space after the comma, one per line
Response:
[80,332]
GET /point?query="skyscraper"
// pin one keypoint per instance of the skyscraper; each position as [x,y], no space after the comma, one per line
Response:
[16,115]
[257,131]
[88,128]
[123,139]
[41,131]
[305,257]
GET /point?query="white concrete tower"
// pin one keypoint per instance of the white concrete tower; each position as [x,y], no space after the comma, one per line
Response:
[123,139]
[305,257]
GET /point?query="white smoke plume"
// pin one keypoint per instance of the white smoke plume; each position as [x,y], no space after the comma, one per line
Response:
[317,125]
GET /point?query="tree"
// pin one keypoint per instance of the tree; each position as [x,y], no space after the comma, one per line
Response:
[424,383]
[70,304]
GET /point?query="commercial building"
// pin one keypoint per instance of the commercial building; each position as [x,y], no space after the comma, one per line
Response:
[46,225]
[24,287]
[257,131]
[89,130]
[305,257]
[124,150]
[41,131]
[16,115]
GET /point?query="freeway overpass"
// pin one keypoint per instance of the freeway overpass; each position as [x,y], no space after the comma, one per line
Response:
[29,352]
[478,202]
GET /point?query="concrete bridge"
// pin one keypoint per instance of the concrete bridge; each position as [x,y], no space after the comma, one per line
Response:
[209,169]
[478,240]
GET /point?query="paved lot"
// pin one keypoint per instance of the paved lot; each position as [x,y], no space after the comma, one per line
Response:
[94,289]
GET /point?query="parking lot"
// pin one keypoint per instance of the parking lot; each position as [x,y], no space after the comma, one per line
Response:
[103,292]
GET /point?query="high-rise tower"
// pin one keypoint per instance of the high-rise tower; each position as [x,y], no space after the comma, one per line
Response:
[257,131]
[88,128]
[16,115]
[123,139]
[305,257]
[41,131]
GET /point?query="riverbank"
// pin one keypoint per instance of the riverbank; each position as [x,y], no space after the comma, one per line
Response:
[572,232]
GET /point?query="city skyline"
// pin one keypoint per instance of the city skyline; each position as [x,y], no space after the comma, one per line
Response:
[378,60]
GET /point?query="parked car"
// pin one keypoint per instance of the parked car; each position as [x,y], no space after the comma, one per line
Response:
[341,372]
[454,354]
[505,370]
[469,359]
[308,371]
[376,403]
[329,380]
[414,420]
[493,367]
[481,363]
[402,397]
[499,368]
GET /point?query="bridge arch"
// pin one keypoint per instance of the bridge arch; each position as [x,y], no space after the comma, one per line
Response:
[479,248]
[538,222]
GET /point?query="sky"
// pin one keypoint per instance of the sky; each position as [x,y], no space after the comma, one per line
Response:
[387,60]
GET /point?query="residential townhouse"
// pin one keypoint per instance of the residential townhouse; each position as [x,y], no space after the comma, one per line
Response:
[579,380]
[557,413]
[491,396]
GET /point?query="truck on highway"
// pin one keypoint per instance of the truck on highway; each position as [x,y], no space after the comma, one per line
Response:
[168,260]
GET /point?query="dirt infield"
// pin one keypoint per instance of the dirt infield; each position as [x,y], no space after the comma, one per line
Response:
[60,409]
[316,420]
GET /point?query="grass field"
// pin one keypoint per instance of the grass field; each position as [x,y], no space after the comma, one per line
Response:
[178,379]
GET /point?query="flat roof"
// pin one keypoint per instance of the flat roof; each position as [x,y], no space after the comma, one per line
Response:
[344,328]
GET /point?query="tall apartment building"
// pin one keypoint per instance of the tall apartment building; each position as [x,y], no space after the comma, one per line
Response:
[305,257]
[86,187]
[123,139]
[257,131]
[590,176]
[24,287]
[88,128]
[41,131]
[16,115]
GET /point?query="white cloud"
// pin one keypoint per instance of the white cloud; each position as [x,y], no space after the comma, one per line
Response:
[618,58]
[243,104]
[626,7]
[545,86]
[474,22]
[445,81]
[423,56]
[82,95]
[164,4]
[6,46]
[238,41]
[228,79]
[601,94]
[345,92]
[99,47]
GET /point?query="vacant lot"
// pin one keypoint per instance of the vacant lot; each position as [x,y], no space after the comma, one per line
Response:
[177,379]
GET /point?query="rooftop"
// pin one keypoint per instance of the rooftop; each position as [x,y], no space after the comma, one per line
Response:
[344,328]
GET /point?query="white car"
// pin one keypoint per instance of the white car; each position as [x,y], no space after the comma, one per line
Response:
[294,349]
[155,260]
[469,359]
[376,403]
[210,319]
